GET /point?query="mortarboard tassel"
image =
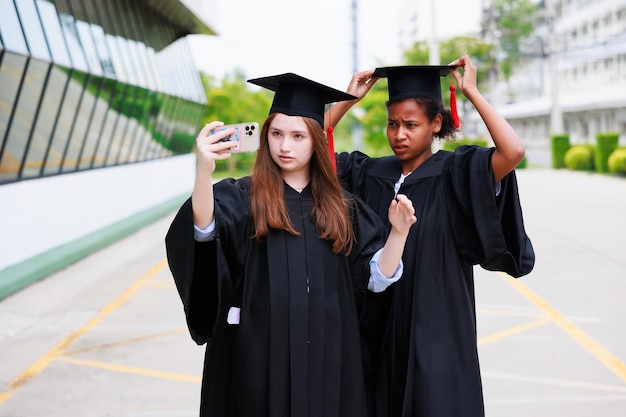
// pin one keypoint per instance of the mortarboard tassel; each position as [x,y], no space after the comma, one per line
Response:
[455,114]
[331,147]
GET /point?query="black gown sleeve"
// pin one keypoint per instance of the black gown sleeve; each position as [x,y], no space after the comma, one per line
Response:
[206,273]
[371,235]
[489,229]
[373,309]
[350,168]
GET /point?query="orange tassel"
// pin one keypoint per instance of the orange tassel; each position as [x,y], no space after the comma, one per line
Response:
[331,147]
[455,114]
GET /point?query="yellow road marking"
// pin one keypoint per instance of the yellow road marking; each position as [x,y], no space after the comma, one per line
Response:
[514,330]
[594,348]
[42,363]
[126,342]
[131,370]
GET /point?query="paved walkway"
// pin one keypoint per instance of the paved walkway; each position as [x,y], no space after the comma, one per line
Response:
[107,336]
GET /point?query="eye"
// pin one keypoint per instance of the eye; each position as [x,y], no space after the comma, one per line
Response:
[391,124]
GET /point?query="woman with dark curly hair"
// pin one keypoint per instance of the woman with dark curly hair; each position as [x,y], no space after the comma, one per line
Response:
[469,214]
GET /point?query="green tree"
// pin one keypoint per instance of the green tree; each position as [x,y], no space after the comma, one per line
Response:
[515,21]
[232,100]
[373,119]
[480,51]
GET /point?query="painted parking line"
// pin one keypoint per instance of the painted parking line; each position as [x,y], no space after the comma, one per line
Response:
[514,330]
[584,340]
[131,369]
[61,348]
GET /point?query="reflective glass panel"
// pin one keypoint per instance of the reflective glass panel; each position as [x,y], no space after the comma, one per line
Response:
[63,128]
[46,120]
[86,40]
[70,31]
[127,60]
[102,49]
[52,29]
[23,119]
[106,145]
[11,29]
[79,126]
[116,58]
[11,71]
[31,24]
[99,108]
[107,117]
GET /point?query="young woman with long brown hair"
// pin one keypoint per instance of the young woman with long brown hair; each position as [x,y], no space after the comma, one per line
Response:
[273,269]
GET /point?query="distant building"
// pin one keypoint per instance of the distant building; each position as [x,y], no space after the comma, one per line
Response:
[577,82]
[423,20]
[96,100]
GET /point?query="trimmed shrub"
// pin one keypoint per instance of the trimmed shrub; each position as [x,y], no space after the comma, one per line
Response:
[617,161]
[579,158]
[559,146]
[606,144]
[452,145]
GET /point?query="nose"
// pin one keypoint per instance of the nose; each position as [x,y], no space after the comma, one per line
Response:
[400,132]
[285,145]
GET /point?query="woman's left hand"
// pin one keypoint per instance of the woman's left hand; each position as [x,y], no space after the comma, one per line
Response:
[402,213]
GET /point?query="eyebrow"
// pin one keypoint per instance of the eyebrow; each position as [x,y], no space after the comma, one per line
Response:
[302,132]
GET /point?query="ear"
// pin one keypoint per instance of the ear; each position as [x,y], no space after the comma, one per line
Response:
[437,122]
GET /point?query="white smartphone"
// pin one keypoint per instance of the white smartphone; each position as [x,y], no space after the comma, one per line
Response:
[246,135]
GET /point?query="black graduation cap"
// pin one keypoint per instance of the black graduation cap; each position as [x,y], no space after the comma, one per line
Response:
[418,81]
[299,96]
[414,80]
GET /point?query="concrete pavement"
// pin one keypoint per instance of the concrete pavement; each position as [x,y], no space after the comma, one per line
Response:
[107,336]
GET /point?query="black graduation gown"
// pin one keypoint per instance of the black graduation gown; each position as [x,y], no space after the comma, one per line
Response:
[296,351]
[430,363]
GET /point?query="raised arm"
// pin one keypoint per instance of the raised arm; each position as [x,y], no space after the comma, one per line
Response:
[359,86]
[401,217]
[509,148]
[208,151]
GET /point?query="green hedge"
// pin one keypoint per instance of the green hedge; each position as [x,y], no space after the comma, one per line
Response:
[580,158]
[559,146]
[617,161]
[606,143]
[452,145]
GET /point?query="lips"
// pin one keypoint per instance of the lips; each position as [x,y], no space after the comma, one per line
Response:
[400,148]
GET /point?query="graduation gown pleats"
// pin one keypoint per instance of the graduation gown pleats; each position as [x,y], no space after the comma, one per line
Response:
[296,350]
[430,363]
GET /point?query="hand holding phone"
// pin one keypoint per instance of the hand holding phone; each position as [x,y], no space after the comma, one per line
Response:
[246,136]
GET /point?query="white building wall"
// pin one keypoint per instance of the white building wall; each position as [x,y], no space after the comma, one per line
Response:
[588,41]
[39,215]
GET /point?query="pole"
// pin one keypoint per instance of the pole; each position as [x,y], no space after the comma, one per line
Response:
[433,50]
[357,129]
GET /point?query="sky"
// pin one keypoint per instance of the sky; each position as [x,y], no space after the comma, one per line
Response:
[312,38]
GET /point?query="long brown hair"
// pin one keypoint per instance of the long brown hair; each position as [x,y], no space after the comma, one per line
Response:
[330,208]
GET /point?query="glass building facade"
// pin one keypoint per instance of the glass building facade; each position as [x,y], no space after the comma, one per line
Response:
[92,84]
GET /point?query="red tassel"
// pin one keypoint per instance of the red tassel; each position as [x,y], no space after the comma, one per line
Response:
[455,114]
[331,147]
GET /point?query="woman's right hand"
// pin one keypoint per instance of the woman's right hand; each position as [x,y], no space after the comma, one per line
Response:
[209,148]
[361,83]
